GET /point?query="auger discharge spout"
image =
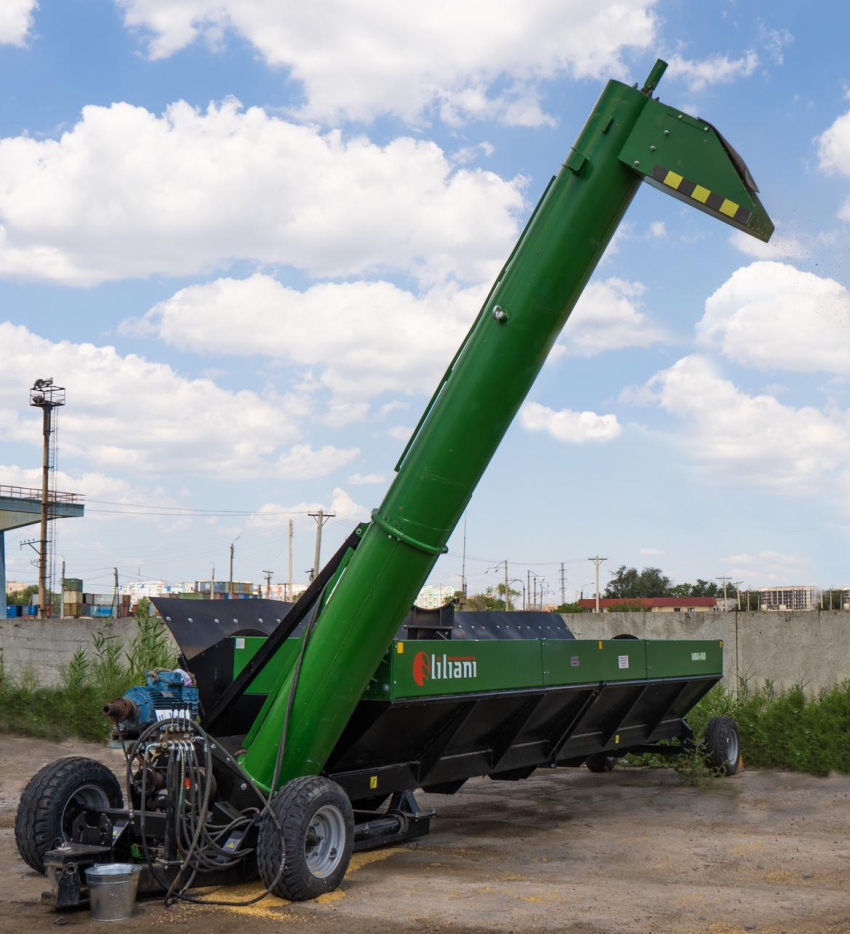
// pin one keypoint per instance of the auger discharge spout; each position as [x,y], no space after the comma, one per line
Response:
[629,137]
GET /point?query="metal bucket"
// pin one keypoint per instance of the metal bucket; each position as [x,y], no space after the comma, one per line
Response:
[112,890]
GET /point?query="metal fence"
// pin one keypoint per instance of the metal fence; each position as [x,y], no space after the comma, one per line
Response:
[22,492]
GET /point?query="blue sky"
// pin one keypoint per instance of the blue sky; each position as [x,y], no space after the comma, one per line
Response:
[248,239]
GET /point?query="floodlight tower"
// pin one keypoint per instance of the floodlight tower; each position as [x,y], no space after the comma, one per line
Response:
[47,397]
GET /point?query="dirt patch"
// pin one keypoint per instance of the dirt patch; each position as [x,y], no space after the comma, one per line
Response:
[634,851]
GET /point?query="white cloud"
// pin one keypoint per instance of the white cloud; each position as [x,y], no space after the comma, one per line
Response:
[272,515]
[764,568]
[400,432]
[361,338]
[753,438]
[16,20]
[780,246]
[302,462]
[566,425]
[775,42]
[773,316]
[356,61]
[106,491]
[126,193]
[136,416]
[608,317]
[716,69]
[834,153]
[658,229]
[651,552]
[359,479]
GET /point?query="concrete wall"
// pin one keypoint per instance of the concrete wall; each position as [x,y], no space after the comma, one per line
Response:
[46,646]
[786,648]
[783,647]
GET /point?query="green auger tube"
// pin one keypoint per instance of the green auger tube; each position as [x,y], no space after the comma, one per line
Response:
[628,137]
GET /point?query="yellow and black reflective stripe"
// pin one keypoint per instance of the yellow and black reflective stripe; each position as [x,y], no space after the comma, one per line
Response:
[699,193]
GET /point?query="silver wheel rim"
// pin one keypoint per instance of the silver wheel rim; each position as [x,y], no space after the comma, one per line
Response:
[86,796]
[325,841]
[732,748]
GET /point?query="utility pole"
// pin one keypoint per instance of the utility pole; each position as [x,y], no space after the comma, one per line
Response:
[507,589]
[463,563]
[115,598]
[563,584]
[212,584]
[738,589]
[232,549]
[321,518]
[289,585]
[47,397]
[268,584]
[725,580]
[597,561]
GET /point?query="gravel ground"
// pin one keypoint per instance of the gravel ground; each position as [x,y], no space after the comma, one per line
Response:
[634,851]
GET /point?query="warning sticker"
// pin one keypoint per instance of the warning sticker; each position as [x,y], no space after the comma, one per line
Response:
[240,642]
[574,661]
[623,661]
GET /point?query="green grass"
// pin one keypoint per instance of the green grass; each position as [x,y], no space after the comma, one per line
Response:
[795,730]
[72,708]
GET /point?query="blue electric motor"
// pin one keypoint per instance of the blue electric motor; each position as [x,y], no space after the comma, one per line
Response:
[165,695]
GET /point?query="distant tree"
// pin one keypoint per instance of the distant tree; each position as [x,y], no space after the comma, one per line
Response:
[21,597]
[629,583]
[569,608]
[485,601]
[701,588]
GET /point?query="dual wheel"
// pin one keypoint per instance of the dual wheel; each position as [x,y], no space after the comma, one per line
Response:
[721,747]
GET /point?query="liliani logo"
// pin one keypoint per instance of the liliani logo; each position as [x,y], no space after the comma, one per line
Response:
[427,667]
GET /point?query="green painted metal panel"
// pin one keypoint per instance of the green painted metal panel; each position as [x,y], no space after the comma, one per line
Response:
[585,660]
[244,650]
[704,175]
[668,658]
[427,668]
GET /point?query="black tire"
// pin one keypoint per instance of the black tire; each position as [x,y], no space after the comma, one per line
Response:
[723,745]
[314,814]
[52,799]
[600,762]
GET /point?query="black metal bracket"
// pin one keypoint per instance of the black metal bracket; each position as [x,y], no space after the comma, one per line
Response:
[558,741]
[279,635]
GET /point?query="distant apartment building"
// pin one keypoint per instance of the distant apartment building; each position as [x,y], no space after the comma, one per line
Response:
[15,586]
[789,598]
[139,590]
[432,596]
[651,604]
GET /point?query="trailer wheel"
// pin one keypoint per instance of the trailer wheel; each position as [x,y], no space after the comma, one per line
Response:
[317,827]
[599,762]
[54,797]
[723,745]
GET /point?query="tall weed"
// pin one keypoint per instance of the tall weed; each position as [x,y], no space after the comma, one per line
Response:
[92,677]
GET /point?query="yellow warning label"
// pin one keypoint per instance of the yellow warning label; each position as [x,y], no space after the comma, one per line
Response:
[617,739]
[700,194]
[729,208]
[673,179]
[400,648]
[600,643]
[373,781]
